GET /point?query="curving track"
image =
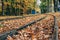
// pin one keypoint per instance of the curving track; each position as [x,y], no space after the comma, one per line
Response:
[40,29]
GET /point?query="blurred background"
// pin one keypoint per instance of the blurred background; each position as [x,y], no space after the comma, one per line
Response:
[22,7]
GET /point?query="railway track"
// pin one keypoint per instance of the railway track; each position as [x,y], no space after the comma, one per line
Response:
[54,36]
[3,36]
[55,29]
[57,15]
[14,24]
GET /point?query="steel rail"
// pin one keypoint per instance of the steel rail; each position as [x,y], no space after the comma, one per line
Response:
[4,36]
[54,29]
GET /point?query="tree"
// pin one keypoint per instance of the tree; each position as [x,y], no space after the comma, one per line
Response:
[15,6]
[43,6]
[2,8]
[55,5]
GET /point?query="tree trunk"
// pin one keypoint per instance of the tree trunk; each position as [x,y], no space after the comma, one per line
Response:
[2,8]
[55,5]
